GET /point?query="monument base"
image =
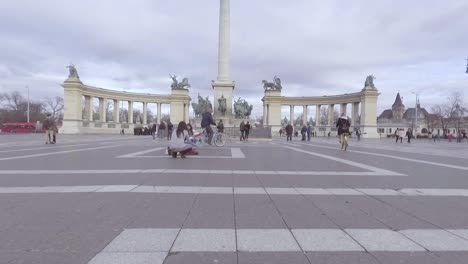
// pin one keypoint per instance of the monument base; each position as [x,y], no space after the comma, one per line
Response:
[222,89]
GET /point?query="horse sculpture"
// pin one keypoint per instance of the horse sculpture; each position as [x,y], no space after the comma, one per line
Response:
[369,81]
[72,71]
[182,85]
[272,86]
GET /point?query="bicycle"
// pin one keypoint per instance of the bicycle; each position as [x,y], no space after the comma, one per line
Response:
[219,139]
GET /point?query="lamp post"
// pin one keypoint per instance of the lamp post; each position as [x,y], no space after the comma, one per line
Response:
[27,87]
[416,113]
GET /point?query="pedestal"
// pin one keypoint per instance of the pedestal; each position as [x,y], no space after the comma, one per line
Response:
[180,101]
[368,125]
[223,89]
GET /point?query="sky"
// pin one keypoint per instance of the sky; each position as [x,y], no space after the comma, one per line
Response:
[316,47]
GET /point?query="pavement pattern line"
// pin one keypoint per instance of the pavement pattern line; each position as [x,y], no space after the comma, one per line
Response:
[395,157]
[348,162]
[236,153]
[188,171]
[57,152]
[235,190]
[139,243]
[136,154]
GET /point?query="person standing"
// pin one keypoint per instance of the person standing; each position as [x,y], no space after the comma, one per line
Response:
[397,134]
[409,134]
[55,132]
[48,128]
[401,135]
[289,132]
[170,127]
[247,130]
[309,132]
[281,132]
[343,125]
[220,126]
[161,129]
[242,130]
[153,130]
[207,121]
[358,134]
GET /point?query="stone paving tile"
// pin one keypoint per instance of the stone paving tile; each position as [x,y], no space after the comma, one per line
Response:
[341,258]
[437,240]
[383,240]
[298,212]
[201,258]
[272,258]
[143,240]
[325,240]
[212,211]
[205,240]
[45,258]
[413,258]
[266,240]
[344,214]
[129,258]
[256,211]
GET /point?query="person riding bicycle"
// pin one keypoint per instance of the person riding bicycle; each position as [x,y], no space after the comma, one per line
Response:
[343,125]
[207,121]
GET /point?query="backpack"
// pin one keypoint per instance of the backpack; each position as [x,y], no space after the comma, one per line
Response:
[344,124]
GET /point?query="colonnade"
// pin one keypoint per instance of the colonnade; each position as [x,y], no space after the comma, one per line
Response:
[76,122]
[331,107]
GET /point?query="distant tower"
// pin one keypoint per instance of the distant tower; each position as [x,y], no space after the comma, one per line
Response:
[398,109]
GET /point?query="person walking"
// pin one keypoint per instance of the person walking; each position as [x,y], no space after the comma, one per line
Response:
[177,142]
[281,132]
[289,132]
[409,134]
[397,134]
[48,128]
[55,132]
[207,121]
[401,135]
[170,127]
[303,133]
[153,131]
[247,128]
[343,125]
[161,130]
[309,132]
[242,131]
[358,134]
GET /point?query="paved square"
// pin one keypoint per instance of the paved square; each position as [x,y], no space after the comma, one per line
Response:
[119,199]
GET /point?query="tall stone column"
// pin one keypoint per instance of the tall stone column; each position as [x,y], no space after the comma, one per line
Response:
[130,112]
[304,115]
[355,114]
[331,114]
[159,112]
[291,114]
[368,122]
[317,115]
[102,110]
[343,109]
[116,111]
[72,100]
[223,86]
[145,113]
[88,108]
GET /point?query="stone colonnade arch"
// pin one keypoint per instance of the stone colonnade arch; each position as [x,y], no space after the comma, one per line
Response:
[366,100]
[75,122]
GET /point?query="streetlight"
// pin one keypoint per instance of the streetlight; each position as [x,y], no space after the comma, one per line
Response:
[416,113]
[27,87]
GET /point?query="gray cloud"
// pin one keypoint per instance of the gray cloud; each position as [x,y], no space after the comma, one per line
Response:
[316,47]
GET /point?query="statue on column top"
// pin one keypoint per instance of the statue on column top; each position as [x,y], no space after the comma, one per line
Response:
[73,73]
[370,81]
[179,85]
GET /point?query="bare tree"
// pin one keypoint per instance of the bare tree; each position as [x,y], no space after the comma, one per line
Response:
[450,111]
[54,106]
[13,100]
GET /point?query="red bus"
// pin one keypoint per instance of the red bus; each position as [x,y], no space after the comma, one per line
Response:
[19,128]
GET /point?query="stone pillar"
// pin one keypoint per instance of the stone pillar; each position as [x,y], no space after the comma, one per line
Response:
[72,112]
[317,115]
[102,110]
[291,115]
[265,110]
[159,112]
[304,115]
[145,113]
[224,40]
[116,111]
[88,108]
[130,112]
[179,98]
[187,113]
[273,102]
[369,113]
[330,114]
[355,114]
[343,108]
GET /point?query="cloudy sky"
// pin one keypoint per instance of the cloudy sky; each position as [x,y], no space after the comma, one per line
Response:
[315,47]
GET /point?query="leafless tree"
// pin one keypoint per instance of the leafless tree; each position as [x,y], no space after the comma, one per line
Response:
[54,106]
[450,111]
